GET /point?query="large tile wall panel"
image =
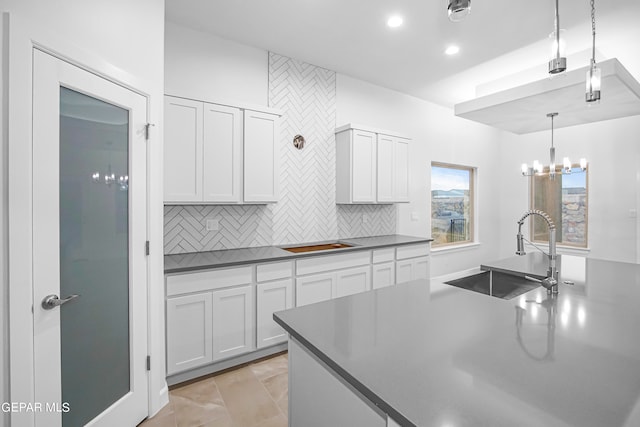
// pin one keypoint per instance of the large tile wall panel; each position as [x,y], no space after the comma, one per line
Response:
[306,211]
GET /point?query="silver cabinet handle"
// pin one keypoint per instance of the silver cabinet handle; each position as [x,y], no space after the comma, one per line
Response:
[52,301]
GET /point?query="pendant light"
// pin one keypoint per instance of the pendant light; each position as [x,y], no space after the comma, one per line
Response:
[557,62]
[538,169]
[594,75]
[458,9]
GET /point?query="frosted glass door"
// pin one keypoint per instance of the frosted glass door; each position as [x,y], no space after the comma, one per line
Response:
[89,229]
[94,254]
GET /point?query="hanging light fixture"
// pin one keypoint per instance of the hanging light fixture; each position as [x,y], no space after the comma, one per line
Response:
[458,9]
[538,169]
[557,62]
[594,75]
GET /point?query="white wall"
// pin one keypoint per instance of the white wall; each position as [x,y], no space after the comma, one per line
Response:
[437,136]
[202,66]
[121,39]
[612,149]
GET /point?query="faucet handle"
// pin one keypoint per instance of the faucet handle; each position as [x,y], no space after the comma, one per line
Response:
[551,284]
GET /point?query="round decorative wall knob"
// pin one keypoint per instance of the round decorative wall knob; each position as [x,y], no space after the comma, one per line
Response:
[298,142]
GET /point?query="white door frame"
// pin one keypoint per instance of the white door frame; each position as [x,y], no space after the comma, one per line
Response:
[23,38]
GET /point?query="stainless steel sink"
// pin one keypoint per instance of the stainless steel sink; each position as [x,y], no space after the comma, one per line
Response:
[318,247]
[495,283]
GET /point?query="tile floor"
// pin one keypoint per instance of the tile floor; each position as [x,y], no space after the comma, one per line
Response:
[255,395]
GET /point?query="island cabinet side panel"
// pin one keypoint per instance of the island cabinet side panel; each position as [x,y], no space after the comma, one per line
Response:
[318,397]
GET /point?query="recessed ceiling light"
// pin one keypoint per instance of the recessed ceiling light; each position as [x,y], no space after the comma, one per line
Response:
[452,50]
[394,21]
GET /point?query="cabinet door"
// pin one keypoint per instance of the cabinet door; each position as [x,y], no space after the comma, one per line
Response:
[412,269]
[421,269]
[384,275]
[401,170]
[363,163]
[353,281]
[272,297]
[261,135]
[315,288]
[386,173]
[222,154]
[188,332]
[404,270]
[232,322]
[182,150]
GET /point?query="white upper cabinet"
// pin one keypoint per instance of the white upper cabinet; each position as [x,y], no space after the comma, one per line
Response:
[219,154]
[372,166]
[222,154]
[385,176]
[182,149]
[401,170]
[260,157]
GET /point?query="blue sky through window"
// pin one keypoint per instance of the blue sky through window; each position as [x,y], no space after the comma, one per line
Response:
[443,178]
[577,179]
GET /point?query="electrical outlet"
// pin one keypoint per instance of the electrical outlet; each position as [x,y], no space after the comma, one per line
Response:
[365,218]
[414,216]
[213,225]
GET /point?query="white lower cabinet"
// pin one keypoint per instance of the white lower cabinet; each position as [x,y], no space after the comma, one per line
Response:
[189,323]
[272,297]
[383,275]
[221,313]
[315,288]
[412,269]
[232,321]
[353,281]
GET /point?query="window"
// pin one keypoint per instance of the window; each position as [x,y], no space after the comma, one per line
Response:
[565,200]
[451,204]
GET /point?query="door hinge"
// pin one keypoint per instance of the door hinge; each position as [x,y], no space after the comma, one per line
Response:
[146,248]
[147,130]
[148,363]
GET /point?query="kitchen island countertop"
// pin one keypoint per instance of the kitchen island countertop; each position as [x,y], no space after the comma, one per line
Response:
[459,358]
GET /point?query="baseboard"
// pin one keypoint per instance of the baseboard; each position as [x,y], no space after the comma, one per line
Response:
[224,364]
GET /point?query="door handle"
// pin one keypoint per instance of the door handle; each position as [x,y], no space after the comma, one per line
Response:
[51,301]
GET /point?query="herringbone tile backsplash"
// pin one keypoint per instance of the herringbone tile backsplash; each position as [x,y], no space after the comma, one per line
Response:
[306,210]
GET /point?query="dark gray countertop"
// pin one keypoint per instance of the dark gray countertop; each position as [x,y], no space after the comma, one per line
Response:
[460,358]
[180,263]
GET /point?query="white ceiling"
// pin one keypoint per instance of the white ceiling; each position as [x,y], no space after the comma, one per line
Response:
[499,39]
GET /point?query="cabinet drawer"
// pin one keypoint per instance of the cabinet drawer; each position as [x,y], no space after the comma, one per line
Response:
[332,262]
[412,251]
[273,271]
[208,280]
[383,255]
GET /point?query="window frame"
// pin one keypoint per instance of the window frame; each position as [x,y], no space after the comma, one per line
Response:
[532,231]
[472,204]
